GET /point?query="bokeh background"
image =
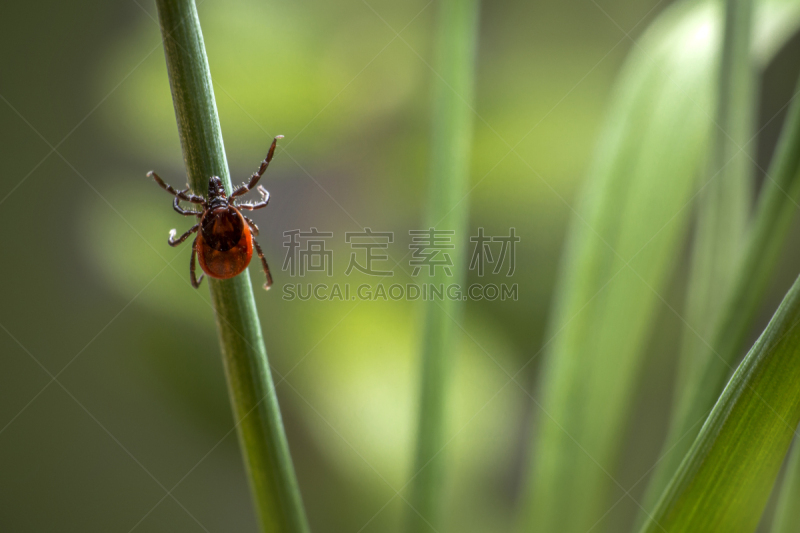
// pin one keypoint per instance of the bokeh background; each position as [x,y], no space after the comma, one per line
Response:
[113,409]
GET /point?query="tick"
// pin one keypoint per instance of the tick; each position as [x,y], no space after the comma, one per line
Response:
[225,237]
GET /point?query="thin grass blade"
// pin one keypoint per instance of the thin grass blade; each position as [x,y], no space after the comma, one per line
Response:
[255,406]
[448,209]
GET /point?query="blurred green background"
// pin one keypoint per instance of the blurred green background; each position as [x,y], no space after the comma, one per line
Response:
[94,297]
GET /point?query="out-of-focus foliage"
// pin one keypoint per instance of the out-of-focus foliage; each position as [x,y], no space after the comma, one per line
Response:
[624,244]
[87,281]
[273,66]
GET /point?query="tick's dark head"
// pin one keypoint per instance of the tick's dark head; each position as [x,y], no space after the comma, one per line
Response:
[215,188]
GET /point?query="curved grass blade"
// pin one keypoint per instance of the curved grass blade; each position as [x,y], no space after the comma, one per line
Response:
[723,206]
[725,481]
[619,254]
[722,217]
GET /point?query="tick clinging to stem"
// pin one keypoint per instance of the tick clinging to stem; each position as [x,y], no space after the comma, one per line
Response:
[225,237]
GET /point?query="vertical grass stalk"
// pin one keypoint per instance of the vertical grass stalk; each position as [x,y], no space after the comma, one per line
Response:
[252,392]
[724,207]
[448,209]
[722,218]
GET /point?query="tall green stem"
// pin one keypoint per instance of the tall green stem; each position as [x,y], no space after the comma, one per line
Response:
[724,206]
[456,41]
[722,217]
[255,405]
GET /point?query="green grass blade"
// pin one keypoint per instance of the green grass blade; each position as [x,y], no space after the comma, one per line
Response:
[722,216]
[451,140]
[724,202]
[255,406]
[774,213]
[787,512]
[620,251]
[725,481]
[626,235]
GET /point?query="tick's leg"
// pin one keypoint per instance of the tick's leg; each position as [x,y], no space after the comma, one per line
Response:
[263,203]
[179,194]
[260,253]
[245,187]
[175,242]
[252,225]
[185,212]
[195,281]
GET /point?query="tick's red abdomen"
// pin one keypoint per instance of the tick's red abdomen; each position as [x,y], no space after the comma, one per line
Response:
[228,263]
[224,243]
